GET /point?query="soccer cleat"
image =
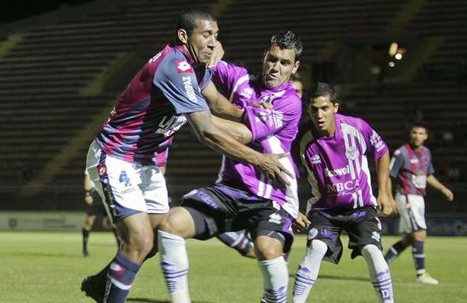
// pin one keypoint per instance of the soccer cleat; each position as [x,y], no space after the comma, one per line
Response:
[85,253]
[425,278]
[89,288]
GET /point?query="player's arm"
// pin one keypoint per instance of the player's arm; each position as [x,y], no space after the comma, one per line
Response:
[219,104]
[238,131]
[215,138]
[385,199]
[434,182]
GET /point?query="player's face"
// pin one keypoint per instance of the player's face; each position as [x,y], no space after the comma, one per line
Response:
[418,136]
[322,111]
[278,65]
[203,40]
[298,86]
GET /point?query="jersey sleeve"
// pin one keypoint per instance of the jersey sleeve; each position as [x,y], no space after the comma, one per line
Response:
[264,122]
[431,169]
[397,162]
[177,81]
[375,143]
[227,76]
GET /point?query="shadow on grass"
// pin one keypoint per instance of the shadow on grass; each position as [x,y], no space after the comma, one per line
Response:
[330,277]
[144,300]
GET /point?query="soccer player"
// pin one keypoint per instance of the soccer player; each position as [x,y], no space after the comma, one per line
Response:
[411,170]
[242,198]
[334,152]
[125,158]
[94,207]
[297,83]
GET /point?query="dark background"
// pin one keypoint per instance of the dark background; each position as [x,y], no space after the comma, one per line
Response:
[11,10]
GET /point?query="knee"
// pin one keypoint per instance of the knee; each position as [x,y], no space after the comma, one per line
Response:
[178,222]
[318,248]
[268,248]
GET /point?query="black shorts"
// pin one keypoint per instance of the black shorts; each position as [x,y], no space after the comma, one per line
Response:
[362,226]
[96,208]
[220,208]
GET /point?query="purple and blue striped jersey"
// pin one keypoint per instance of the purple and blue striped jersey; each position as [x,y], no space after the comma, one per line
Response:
[337,166]
[273,131]
[411,167]
[151,109]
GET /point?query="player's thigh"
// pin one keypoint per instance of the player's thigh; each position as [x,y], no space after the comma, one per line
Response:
[154,189]
[324,229]
[364,231]
[119,185]
[412,212]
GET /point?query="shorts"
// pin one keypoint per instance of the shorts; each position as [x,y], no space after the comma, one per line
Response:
[127,188]
[412,214]
[221,208]
[362,226]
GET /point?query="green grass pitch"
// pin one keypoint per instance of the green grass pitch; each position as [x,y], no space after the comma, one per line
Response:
[48,267]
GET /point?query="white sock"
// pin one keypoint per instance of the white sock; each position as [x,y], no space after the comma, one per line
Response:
[308,270]
[275,280]
[379,273]
[174,265]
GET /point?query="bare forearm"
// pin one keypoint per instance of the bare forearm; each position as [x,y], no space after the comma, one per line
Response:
[238,131]
[382,169]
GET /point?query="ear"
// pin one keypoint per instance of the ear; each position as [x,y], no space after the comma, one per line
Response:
[182,35]
[336,107]
[296,66]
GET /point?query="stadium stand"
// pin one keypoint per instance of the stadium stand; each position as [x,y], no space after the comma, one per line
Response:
[60,73]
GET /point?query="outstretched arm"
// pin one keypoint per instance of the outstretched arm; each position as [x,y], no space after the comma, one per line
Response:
[434,182]
[215,138]
[385,199]
[219,104]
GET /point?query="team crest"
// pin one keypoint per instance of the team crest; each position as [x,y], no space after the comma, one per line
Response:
[101,170]
[183,66]
[351,153]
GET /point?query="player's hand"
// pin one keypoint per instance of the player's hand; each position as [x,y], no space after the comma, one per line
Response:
[387,205]
[271,168]
[448,194]
[88,199]
[301,222]
[217,55]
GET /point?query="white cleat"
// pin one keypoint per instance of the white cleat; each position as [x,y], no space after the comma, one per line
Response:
[425,278]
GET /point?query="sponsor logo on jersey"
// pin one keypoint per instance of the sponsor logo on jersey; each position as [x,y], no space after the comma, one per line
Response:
[315,159]
[183,67]
[337,172]
[189,90]
[342,186]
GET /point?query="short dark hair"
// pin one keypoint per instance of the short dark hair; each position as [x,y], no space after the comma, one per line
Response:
[322,89]
[187,19]
[288,40]
[418,124]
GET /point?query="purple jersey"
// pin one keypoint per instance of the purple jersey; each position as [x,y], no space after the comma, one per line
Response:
[411,167]
[273,132]
[152,107]
[337,166]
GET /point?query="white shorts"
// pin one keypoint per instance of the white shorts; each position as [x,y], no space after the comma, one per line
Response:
[127,188]
[412,214]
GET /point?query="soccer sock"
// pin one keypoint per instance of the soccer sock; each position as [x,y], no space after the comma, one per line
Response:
[308,270]
[275,280]
[418,253]
[85,233]
[174,265]
[379,273]
[122,273]
[395,251]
